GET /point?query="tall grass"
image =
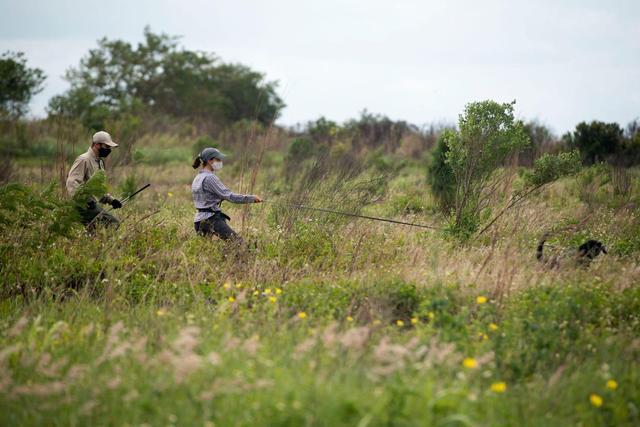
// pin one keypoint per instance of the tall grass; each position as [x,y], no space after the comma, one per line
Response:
[330,321]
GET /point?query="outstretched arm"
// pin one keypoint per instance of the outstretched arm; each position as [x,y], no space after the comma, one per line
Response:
[214,184]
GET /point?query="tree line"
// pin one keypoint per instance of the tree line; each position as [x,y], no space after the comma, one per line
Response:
[117,81]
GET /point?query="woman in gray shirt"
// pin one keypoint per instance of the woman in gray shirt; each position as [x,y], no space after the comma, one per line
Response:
[209,192]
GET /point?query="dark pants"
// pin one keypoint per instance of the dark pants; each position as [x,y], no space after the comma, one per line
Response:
[95,211]
[217,225]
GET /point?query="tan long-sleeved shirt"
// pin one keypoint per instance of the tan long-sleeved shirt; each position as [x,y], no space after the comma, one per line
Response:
[82,169]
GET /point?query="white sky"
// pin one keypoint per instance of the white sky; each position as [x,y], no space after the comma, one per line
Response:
[420,61]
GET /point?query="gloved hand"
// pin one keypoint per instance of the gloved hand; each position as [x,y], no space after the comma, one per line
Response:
[117,204]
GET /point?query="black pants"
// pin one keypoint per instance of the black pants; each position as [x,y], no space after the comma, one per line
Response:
[217,225]
[92,211]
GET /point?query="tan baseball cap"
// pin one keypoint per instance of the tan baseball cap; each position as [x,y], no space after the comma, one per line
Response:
[103,137]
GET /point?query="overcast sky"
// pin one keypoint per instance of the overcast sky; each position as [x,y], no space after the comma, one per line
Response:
[420,61]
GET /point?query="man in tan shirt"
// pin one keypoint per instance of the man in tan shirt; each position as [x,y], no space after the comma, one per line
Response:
[83,168]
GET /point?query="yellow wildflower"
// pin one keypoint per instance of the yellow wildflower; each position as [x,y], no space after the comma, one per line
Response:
[595,400]
[493,326]
[399,323]
[302,315]
[481,299]
[278,291]
[239,285]
[431,315]
[414,320]
[273,299]
[349,319]
[170,194]
[267,291]
[255,293]
[499,387]
[612,384]
[470,363]
[231,299]
[227,285]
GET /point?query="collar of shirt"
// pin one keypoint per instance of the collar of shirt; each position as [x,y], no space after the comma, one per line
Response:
[97,159]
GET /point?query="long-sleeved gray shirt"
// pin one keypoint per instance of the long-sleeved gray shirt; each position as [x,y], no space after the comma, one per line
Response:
[208,192]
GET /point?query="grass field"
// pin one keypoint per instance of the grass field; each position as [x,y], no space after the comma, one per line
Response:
[329,321]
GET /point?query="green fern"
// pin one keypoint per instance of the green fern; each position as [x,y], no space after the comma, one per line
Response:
[95,188]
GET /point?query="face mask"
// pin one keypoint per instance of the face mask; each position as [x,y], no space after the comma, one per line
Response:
[104,152]
[217,165]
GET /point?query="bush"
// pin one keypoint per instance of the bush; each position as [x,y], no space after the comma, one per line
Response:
[488,134]
[549,168]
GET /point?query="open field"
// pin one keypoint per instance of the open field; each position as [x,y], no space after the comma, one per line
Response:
[329,320]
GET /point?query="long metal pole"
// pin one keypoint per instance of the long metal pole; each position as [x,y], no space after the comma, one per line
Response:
[355,215]
[123,201]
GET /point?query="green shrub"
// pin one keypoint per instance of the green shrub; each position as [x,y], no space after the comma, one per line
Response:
[488,134]
[549,168]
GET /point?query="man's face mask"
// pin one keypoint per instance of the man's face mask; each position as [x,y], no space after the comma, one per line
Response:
[216,165]
[104,151]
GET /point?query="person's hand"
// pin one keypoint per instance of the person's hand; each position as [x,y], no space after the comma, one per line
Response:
[257,199]
[117,204]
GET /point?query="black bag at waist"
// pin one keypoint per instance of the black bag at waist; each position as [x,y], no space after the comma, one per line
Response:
[220,213]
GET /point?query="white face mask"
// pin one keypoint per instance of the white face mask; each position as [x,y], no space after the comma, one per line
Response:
[216,165]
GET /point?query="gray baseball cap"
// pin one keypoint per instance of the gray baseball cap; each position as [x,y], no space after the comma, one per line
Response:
[103,137]
[211,153]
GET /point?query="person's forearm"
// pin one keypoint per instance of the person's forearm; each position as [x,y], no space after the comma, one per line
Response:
[240,198]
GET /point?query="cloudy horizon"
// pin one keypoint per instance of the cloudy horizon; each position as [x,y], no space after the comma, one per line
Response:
[564,62]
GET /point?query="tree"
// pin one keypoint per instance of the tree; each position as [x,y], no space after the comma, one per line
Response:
[597,141]
[161,77]
[487,135]
[629,153]
[18,84]
[542,139]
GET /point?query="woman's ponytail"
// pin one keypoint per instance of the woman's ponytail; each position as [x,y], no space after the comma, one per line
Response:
[197,162]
